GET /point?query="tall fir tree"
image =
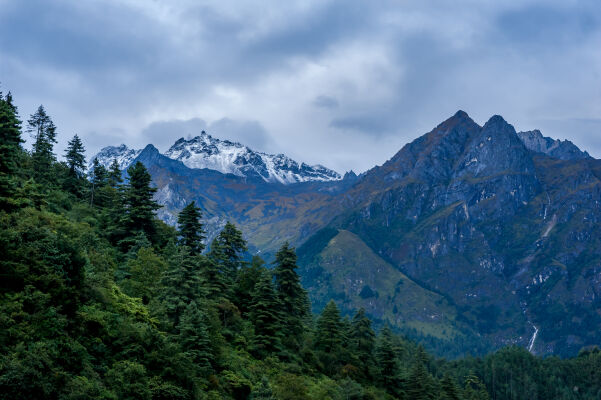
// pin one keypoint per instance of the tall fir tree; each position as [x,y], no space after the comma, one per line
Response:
[190,230]
[98,181]
[265,314]
[363,342]
[193,336]
[139,204]
[182,284]
[292,295]
[420,384]
[328,338]
[226,251]
[42,128]
[449,389]
[76,162]
[387,360]
[114,178]
[10,151]
[474,389]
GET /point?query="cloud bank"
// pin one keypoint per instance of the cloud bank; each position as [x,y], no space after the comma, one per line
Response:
[344,83]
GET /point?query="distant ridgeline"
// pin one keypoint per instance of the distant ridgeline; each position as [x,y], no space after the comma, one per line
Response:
[101,299]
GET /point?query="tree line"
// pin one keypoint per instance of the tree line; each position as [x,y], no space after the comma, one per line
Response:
[99,299]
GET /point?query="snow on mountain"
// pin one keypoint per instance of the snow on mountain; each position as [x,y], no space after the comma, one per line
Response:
[227,157]
[205,151]
[122,154]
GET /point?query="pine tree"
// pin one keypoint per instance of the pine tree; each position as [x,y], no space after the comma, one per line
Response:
[474,389]
[10,150]
[328,338]
[76,163]
[247,279]
[292,296]
[420,384]
[44,132]
[182,284]
[363,342]
[114,174]
[387,361]
[139,204]
[190,229]
[98,181]
[265,314]
[194,337]
[449,389]
[226,251]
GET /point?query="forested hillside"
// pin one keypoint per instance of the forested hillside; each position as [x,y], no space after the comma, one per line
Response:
[99,299]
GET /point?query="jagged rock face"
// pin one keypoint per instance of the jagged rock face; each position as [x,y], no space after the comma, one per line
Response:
[510,235]
[562,149]
[227,157]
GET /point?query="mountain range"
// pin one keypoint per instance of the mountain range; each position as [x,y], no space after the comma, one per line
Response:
[470,237]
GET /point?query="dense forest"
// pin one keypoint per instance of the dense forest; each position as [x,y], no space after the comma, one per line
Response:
[101,300]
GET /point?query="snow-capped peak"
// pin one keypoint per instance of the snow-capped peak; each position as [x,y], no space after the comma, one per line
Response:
[122,154]
[205,151]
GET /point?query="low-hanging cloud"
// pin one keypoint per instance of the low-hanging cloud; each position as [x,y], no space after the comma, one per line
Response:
[344,83]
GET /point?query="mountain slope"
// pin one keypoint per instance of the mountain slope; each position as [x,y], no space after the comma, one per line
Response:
[508,235]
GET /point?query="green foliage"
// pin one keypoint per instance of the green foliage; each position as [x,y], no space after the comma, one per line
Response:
[10,151]
[43,130]
[294,299]
[76,162]
[139,204]
[265,315]
[190,229]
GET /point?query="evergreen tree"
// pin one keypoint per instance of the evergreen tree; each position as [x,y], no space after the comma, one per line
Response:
[420,384]
[363,342]
[226,251]
[247,279]
[387,361]
[190,229]
[76,163]
[292,295]
[98,181]
[139,204]
[474,389]
[114,174]
[182,284]
[10,150]
[265,314]
[194,337]
[44,132]
[449,389]
[328,338]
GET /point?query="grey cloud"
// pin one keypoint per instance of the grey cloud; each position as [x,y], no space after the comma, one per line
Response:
[323,101]
[164,133]
[106,69]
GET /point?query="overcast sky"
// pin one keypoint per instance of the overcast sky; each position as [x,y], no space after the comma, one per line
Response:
[343,83]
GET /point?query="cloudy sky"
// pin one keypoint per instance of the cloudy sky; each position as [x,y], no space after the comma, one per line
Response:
[344,83]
